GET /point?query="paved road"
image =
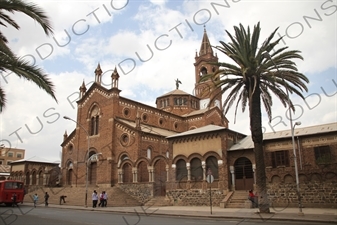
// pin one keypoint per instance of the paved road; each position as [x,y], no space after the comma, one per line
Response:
[25,215]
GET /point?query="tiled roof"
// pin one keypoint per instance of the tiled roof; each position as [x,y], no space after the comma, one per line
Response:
[207,128]
[175,92]
[247,142]
[149,129]
[34,159]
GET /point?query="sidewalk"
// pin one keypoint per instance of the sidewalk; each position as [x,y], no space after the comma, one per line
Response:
[285,214]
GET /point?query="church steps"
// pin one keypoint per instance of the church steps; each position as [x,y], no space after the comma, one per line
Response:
[76,196]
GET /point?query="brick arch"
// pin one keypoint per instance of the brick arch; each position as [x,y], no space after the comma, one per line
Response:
[142,159]
[92,106]
[276,179]
[179,157]
[288,179]
[194,155]
[157,158]
[68,162]
[211,153]
[315,177]
[331,176]
[123,158]
[302,178]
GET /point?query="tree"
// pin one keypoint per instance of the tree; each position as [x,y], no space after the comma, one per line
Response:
[8,60]
[254,78]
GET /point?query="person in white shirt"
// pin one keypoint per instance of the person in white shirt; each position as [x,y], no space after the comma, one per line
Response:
[94,199]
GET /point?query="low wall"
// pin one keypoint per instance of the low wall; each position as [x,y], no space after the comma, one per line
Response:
[313,194]
[195,197]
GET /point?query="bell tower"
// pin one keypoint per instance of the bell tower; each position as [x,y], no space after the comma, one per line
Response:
[203,65]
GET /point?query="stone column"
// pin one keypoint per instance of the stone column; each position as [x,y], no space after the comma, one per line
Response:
[203,164]
[120,175]
[254,169]
[37,179]
[134,173]
[152,175]
[223,180]
[173,174]
[231,168]
[167,173]
[44,183]
[188,166]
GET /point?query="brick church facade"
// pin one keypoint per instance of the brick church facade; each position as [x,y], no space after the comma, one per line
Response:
[169,150]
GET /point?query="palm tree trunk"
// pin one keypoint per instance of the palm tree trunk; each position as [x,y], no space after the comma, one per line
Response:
[257,137]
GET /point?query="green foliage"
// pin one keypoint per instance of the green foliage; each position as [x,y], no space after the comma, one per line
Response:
[251,69]
[8,60]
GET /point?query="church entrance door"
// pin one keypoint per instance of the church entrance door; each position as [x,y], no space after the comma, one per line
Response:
[244,176]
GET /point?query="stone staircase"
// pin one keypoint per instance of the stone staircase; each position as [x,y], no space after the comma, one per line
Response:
[239,199]
[76,196]
[159,201]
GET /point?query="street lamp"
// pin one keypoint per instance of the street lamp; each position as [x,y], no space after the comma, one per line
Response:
[87,154]
[292,127]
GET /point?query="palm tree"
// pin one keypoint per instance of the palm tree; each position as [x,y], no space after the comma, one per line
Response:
[254,78]
[8,60]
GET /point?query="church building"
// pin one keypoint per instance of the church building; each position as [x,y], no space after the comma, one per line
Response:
[183,147]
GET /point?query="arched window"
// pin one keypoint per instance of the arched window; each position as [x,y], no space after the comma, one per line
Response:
[196,169]
[149,152]
[94,121]
[143,174]
[212,163]
[203,71]
[34,178]
[127,173]
[92,168]
[40,178]
[181,170]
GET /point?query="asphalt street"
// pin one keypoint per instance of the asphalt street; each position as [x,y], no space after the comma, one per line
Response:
[25,215]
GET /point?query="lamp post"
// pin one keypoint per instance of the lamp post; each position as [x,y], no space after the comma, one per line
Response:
[87,154]
[292,127]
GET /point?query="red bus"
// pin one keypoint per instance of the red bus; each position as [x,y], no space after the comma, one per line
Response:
[10,189]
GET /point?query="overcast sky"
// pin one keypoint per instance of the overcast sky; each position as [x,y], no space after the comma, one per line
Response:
[120,34]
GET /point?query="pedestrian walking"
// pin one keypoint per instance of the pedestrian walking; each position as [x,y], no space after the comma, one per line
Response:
[105,199]
[253,198]
[94,199]
[46,197]
[101,199]
[35,199]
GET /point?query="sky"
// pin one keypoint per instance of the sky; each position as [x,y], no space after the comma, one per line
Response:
[152,43]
